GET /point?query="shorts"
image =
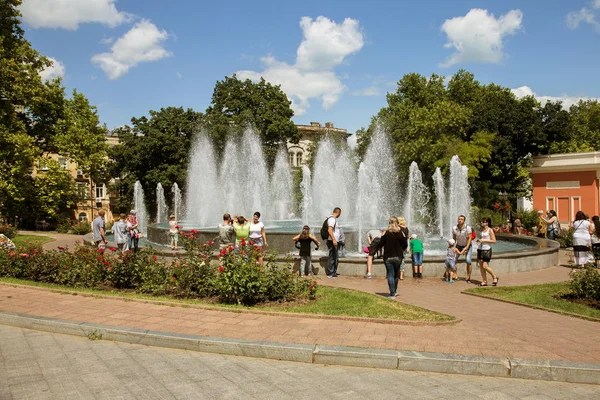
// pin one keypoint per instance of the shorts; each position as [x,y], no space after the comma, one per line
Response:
[469,255]
[374,247]
[484,255]
[450,265]
[174,236]
[417,258]
[258,242]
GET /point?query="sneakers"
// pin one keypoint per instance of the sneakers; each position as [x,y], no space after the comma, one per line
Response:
[451,281]
[392,296]
[368,276]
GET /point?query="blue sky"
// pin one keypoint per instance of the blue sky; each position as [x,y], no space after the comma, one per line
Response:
[131,56]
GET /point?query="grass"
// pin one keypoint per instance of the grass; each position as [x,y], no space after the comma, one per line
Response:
[20,240]
[540,296]
[330,301]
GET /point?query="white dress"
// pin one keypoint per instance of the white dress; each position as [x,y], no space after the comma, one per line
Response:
[582,242]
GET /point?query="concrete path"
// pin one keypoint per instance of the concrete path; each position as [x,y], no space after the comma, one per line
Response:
[40,365]
[60,239]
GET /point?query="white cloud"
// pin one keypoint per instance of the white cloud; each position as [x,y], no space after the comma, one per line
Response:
[56,70]
[567,101]
[585,15]
[143,43]
[325,45]
[68,14]
[107,40]
[369,91]
[478,36]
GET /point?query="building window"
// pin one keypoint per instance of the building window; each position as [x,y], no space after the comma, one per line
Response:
[79,170]
[299,159]
[82,190]
[100,192]
[63,163]
[291,159]
[82,217]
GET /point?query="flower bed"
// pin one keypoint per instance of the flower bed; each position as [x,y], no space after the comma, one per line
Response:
[237,278]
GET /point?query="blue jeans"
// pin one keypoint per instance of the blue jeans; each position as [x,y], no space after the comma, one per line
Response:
[332,262]
[551,234]
[418,258]
[392,267]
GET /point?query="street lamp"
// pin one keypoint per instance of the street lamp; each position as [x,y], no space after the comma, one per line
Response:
[503,197]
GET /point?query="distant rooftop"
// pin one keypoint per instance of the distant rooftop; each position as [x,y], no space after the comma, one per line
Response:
[317,127]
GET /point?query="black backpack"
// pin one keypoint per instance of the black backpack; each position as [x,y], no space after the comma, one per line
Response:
[325,229]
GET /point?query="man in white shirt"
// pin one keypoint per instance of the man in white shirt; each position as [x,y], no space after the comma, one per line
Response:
[332,242]
[462,234]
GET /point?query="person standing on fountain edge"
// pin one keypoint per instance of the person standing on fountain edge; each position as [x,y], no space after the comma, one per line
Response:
[257,235]
[330,231]
[462,235]
[394,243]
[119,229]
[305,239]
[99,231]
[241,228]
[173,232]
[133,231]
[416,249]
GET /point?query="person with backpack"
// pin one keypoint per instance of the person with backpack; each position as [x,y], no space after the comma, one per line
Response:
[330,231]
[463,236]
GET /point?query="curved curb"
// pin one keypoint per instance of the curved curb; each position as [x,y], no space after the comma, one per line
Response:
[321,354]
[516,303]
[243,310]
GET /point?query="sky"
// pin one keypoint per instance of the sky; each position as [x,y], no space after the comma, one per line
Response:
[336,60]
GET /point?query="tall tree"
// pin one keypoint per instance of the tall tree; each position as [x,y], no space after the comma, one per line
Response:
[154,150]
[237,104]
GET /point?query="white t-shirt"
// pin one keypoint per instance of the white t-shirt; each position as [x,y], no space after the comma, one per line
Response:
[462,235]
[172,226]
[332,222]
[256,230]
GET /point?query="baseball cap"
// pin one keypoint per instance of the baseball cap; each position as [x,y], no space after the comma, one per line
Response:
[451,242]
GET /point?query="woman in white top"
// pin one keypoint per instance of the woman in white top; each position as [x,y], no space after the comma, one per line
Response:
[582,239]
[484,252]
[257,235]
[552,224]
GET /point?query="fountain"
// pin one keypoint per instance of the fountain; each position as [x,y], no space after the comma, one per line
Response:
[177,200]
[140,207]
[440,199]
[459,201]
[162,211]
[306,189]
[416,208]
[281,187]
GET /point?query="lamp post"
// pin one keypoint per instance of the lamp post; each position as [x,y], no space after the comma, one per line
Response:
[503,196]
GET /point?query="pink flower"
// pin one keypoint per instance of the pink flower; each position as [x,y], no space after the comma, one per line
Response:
[24,255]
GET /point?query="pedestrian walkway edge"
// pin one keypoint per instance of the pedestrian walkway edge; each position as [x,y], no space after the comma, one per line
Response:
[320,354]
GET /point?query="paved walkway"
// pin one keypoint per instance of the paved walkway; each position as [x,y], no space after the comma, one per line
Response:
[488,327]
[40,365]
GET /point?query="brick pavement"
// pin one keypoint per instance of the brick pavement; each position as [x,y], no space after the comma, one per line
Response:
[487,328]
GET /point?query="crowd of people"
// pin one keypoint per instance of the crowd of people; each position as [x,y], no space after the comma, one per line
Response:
[586,234]
[126,231]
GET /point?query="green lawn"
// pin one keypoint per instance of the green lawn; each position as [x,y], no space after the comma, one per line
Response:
[20,240]
[539,295]
[331,301]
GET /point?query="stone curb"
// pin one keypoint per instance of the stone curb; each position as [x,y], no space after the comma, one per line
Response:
[321,354]
[516,303]
[242,310]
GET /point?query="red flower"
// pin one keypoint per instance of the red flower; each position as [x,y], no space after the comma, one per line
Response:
[496,206]
[243,241]
[101,251]
[110,268]
[222,253]
[98,258]
[24,255]
[210,243]
[154,258]
[221,268]
[113,249]
[177,227]
[173,278]
[231,247]
[11,254]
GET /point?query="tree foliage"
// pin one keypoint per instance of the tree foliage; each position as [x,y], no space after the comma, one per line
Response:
[237,104]
[154,150]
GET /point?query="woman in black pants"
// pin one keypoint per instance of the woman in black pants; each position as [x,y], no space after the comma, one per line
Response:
[394,243]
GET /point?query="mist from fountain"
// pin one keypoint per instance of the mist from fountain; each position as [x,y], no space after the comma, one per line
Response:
[177,201]
[440,199]
[333,181]
[140,206]
[281,187]
[202,184]
[162,211]
[306,189]
[416,208]
[459,199]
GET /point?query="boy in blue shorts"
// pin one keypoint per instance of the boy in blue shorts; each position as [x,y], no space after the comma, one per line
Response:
[416,249]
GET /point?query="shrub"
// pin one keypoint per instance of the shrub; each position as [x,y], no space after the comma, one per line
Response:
[9,231]
[63,225]
[529,219]
[81,228]
[567,239]
[585,283]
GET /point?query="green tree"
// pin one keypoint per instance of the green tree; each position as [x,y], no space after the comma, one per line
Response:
[154,150]
[237,104]
[55,191]
[583,132]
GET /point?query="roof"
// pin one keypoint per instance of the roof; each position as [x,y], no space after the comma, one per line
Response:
[589,161]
